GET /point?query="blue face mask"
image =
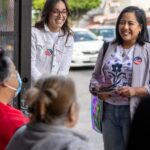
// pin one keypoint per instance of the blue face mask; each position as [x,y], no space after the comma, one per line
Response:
[19,85]
[17,91]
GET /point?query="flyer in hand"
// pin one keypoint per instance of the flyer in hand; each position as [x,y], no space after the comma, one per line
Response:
[109,90]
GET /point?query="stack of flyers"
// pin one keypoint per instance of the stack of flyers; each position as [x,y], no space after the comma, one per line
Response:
[109,90]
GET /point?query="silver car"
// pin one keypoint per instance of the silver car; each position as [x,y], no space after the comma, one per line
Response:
[107,32]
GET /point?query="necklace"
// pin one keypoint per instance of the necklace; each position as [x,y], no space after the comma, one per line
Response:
[125,52]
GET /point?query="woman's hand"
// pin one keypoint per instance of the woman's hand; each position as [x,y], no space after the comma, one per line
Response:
[126,91]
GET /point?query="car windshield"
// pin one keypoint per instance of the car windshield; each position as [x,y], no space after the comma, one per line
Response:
[107,33]
[84,36]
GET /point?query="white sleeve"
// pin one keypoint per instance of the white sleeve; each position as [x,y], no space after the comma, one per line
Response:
[67,57]
[35,74]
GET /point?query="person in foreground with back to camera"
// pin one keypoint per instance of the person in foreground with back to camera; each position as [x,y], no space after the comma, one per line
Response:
[10,85]
[52,41]
[125,71]
[140,127]
[54,109]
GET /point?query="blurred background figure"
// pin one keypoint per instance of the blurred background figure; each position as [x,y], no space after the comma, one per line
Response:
[140,127]
[54,109]
[52,41]
[10,85]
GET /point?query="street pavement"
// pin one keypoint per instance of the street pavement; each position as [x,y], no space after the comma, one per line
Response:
[81,78]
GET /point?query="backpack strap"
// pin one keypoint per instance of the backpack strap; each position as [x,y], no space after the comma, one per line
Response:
[105,47]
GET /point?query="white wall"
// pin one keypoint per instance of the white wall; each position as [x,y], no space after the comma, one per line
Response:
[145,4]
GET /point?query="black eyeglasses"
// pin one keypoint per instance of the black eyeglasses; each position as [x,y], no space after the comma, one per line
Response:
[57,12]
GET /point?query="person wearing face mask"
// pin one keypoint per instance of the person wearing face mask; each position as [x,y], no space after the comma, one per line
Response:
[10,85]
[52,41]
[18,89]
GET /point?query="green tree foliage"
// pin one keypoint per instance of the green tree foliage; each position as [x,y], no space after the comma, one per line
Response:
[79,7]
[38,4]
[3,9]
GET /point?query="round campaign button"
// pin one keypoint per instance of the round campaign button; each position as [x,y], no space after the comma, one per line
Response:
[137,60]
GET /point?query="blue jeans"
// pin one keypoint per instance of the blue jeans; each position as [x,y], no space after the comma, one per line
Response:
[115,126]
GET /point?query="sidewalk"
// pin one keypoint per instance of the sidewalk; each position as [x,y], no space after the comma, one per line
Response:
[84,125]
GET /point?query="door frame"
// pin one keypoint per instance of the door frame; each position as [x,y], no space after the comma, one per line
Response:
[22,44]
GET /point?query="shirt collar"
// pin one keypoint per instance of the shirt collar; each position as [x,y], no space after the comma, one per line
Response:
[46,28]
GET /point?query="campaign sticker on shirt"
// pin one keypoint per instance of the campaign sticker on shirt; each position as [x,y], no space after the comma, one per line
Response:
[137,60]
[48,52]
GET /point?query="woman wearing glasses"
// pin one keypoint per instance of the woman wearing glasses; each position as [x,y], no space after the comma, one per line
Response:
[52,41]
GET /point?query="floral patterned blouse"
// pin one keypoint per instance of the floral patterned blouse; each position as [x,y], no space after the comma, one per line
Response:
[118,68]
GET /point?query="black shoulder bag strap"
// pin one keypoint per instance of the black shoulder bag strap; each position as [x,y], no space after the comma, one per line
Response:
[105,47]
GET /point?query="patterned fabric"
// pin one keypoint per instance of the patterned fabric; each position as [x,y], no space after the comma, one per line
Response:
[96,110]
[118,68]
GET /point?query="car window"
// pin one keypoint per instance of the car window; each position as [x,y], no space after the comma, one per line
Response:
[107,33]
[84,36]
[95,31]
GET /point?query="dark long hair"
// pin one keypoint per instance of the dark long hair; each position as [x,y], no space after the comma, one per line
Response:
[141,18]
[4,66]
[48,7]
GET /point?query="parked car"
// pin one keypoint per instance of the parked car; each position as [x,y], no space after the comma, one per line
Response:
[86,48]
[108,32]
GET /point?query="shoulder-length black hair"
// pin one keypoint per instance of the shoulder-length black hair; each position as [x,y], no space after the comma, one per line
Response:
[141,19]
[5,69]
[48,7]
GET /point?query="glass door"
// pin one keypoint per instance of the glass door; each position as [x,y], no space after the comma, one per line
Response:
[15,38]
